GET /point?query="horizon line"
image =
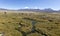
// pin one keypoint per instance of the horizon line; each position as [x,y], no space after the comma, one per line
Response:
[28,8]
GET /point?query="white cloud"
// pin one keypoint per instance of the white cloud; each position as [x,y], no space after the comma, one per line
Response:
[31,8]
[26,7]
[36,7]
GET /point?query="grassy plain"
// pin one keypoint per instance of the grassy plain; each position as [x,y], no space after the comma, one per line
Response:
[29,24]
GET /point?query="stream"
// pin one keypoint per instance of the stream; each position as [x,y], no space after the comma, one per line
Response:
[33,23]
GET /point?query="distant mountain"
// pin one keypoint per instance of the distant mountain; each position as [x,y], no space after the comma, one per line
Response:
[29,10]
[39,10]
[3,9]
[34,10]
[48,9]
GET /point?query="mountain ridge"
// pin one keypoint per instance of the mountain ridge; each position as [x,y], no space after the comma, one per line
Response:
[36,10]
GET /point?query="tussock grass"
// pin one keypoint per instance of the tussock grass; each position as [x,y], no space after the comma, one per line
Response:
[20,24]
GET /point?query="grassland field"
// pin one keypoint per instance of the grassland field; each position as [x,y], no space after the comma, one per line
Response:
[29,24]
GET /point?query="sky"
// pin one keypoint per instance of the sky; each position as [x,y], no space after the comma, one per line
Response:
[31,4]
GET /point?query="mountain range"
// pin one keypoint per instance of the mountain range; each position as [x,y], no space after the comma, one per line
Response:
[35,10]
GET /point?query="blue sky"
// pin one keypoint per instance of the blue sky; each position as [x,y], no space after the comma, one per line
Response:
[19,4]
